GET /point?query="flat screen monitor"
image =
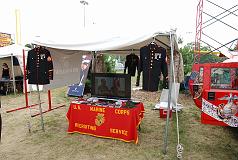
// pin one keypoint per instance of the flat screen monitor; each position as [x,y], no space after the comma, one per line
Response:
[111,85]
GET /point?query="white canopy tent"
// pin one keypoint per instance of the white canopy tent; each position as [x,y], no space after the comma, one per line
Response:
[102,41]
[13,50]
[10,51]
[95,41]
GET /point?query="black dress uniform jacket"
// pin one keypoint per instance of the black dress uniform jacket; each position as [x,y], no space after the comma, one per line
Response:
[132,63]
[152,62]
[39,67]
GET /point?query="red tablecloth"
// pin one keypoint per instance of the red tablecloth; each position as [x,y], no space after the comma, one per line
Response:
[106,122]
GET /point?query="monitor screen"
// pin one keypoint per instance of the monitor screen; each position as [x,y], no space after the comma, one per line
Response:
[111,85]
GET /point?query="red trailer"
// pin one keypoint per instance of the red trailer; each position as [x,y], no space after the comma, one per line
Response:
[214,87]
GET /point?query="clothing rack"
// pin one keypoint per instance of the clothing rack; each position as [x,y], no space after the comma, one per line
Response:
[26,95]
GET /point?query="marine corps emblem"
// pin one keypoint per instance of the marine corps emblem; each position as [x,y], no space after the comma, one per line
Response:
[226,111]
[100,119]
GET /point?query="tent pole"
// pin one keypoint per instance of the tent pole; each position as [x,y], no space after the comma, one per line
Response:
[170,90]
[93,61]
[24,78]
[25,86]
[13,75]
[49,100]
[40,108]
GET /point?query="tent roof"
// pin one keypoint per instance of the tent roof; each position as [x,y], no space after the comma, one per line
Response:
[99,40]
[13,49]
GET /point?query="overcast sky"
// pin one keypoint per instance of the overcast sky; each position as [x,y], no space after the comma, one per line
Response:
[60,16]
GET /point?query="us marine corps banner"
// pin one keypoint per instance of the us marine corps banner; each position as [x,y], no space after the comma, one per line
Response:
[105,122]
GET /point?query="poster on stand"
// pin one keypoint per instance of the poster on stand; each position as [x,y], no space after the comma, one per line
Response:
[78,89]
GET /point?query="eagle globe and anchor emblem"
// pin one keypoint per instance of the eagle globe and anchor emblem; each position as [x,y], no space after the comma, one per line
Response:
[100,119]
[226,111]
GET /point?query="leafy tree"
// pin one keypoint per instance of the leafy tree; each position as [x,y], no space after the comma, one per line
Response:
[187,54]
[210,58]
[110,61]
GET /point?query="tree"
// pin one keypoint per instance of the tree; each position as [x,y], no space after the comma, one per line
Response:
[210,58]
[110,61]
[187,54]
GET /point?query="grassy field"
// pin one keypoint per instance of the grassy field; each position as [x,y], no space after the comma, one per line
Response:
[200,142]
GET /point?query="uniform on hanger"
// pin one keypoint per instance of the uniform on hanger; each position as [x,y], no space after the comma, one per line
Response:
[131,64]
[39,66]
[152,63]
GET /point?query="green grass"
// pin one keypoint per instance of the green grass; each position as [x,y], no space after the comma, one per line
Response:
[200,142]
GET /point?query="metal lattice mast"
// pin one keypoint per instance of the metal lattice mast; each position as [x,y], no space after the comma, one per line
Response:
[198,32]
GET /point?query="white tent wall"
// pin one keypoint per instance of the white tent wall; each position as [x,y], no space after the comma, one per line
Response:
[13,50]
[10,51]
[67,65]
[17,70]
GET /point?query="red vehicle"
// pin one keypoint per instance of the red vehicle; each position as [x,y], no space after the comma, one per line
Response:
[214,87]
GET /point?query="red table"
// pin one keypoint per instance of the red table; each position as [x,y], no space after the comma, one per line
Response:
[106,122]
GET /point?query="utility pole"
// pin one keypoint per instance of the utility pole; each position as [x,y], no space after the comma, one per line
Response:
[18,26]
[84,3]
